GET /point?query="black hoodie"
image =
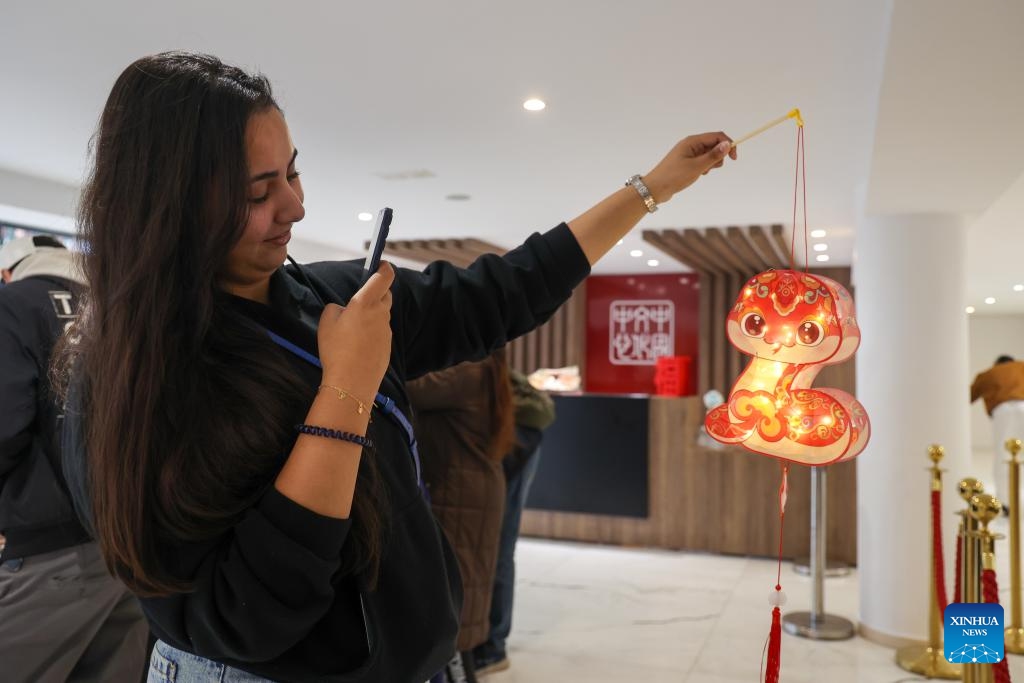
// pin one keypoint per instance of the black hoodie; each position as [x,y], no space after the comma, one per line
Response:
[269,598]
[35,511]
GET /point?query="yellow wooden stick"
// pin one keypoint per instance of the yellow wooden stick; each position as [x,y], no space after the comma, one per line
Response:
[795,114]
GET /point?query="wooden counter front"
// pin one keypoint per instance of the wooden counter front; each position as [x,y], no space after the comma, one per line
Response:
[723,501]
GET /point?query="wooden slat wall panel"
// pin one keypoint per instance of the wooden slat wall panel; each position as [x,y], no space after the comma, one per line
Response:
[775,258]
[718,501]
[753,527]
[751,258]
[461,252]
[557,343]
[728,254]
[720,346]
[686,481]
[704,352]
[789,248]
[694,240]
[724,259]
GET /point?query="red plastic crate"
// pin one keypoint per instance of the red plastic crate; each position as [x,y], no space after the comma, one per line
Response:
[672,375]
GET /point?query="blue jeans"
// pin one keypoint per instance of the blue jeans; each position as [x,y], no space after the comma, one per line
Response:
[170,665]
[518,487]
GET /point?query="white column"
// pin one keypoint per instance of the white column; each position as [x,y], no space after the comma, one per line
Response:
[910,279]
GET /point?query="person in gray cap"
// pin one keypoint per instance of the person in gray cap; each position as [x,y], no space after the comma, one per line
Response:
[63,617]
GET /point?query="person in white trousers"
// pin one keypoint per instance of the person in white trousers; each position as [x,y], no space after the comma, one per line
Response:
[1002,389]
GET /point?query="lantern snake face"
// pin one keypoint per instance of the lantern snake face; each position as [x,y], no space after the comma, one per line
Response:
[793,324]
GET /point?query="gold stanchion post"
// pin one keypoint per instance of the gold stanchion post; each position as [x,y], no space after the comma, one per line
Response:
[1014,632]
[985,507]
[970,574]
[929,660]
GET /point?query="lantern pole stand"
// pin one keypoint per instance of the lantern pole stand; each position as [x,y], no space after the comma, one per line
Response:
[816,624]
[833,568]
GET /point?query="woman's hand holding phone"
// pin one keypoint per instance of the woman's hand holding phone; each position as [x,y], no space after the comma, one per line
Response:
[355,340]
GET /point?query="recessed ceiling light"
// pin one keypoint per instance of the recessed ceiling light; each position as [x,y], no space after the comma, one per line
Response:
[652,262]
[817,233]
[990,300]
[821,258]
[411,174]
[365,216]
[1018,288]
[533,104]
[821,247]
[969,309]
[636,253]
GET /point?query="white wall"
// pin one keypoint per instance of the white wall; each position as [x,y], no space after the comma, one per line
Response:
[37,202]
[988,338]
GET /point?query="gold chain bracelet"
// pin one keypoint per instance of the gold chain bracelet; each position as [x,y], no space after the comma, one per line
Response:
[343,394]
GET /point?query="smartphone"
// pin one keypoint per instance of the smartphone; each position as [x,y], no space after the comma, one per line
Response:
[377,240]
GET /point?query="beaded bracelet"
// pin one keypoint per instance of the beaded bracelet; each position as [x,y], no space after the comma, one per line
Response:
[344,393]
[313,430]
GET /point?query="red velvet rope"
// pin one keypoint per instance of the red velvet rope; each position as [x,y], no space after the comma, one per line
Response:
[990,593]
[940,566]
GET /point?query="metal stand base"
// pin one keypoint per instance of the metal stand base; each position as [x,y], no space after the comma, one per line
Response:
[817,627]
[833,568]
[927,662]
[1014,642]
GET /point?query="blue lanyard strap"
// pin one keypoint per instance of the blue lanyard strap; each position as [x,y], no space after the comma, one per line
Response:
[388,406]
[385,404]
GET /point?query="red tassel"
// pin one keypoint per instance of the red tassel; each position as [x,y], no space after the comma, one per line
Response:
[774,648]
[778,598]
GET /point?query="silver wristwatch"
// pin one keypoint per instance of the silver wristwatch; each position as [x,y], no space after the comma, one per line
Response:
[645,194]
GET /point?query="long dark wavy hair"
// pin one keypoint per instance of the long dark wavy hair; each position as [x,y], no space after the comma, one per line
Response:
[188,407]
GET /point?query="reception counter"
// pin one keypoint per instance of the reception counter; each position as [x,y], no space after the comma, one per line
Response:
[628,470]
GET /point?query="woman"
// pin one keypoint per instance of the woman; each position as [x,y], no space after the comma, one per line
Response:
[221,404]
[465,424]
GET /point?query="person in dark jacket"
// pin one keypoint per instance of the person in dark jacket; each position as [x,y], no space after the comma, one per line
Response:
[62,616]
[219,406]
[465,424]
[534,411]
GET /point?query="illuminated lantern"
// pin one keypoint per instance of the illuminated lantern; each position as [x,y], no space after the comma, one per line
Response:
[793,324]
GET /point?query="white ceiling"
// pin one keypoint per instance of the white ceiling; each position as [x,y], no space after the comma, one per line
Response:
[916,105]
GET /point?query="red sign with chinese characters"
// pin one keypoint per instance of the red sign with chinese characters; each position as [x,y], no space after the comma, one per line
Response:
[632,320]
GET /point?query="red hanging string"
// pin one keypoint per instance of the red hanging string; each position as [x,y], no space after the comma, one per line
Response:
[940,569]
[783,494]
[803,184]
[990,593]
[796,186]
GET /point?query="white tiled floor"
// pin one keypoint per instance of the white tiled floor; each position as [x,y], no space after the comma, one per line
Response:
[601,614]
